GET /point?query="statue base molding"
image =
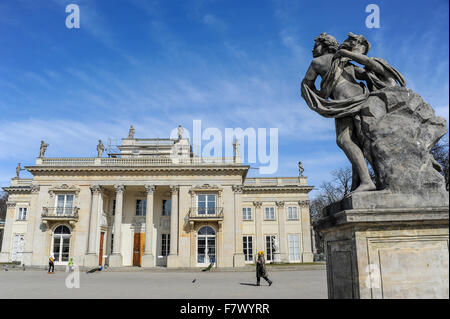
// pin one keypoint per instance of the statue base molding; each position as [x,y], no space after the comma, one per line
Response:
[385,252]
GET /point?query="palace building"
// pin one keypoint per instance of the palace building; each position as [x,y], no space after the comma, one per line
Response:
[154,203]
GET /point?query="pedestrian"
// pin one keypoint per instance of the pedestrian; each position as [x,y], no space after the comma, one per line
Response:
[70,264]
[51,265]
[261,269]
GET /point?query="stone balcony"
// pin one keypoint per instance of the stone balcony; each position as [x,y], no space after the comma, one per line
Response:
[54,214]
[205,214]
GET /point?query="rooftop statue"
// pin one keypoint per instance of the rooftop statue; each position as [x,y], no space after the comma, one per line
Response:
[43,149]
[180,132]
[377,118]
[100,148]
[131,132]
[300,168]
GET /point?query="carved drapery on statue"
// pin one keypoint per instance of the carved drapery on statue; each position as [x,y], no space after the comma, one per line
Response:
[393,126]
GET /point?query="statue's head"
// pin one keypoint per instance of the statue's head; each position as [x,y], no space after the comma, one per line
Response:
[325,43]
[356,43]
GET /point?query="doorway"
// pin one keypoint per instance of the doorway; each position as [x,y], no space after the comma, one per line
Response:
[138,248]
[100,253]
[61,244]
[206,246]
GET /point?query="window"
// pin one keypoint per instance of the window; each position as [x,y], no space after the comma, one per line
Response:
[294,247]
[246,213]
[248,248]
[112,243]
[22,213]
[270,247]
[61,243]
[167,204]
[292,213]
[64,204]
[206,204]
[165,244]
[141,207]
[114,208]
[270,213]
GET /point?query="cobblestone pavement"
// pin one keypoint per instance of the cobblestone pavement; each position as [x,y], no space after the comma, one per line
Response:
[295,284]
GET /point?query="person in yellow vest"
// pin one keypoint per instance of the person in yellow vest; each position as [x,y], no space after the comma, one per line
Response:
[261,269]
[51,265]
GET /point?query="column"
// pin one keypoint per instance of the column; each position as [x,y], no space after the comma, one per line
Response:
[239,260]
[93,223]
[281,231]
[7,232]
[258,226]
[148,259]
[307,255]
[32,216]
[116,257]
[172,259]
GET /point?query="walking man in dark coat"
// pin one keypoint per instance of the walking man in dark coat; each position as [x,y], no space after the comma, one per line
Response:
[261,269]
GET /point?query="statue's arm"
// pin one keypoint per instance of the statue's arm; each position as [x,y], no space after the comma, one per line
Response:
[362,59]
[310,78]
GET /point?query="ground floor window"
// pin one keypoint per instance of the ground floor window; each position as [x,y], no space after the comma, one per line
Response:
[61,243]
[294,247]
[18,246]
[165,244]
[270,247]
[248,248]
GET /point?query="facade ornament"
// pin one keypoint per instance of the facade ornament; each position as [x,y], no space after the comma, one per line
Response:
[149,189]
[279,204]
[257,204]
[174,189]
[237,188]
[300,168]
[119,188]
[95,189]
[303,203]
[10,204]
[131,132]
[100,148]
[35,188]
[43,149]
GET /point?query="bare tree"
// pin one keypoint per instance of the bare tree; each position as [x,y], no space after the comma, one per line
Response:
[330,192]
[3,199]
[440,153]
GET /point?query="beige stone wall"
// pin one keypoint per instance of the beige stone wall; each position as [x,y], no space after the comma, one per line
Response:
[41,241]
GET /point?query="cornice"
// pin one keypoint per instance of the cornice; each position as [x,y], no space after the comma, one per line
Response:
[277,189]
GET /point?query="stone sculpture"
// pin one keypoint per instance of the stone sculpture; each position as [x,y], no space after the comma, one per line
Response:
[180,132]
[131,132]
[43,149]
[300,168]
[100,148]
[378,120]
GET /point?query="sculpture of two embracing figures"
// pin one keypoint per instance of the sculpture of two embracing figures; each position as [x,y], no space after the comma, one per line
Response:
[378,120]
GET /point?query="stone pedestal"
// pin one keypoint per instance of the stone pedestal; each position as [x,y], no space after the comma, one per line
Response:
[115,260]
[239,260]
[91,260]
[387,252]
[276,258]
[148,260]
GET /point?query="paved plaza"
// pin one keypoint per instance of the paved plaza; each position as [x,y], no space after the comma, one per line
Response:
[293,284]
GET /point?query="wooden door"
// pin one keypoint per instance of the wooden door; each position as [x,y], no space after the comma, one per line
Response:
[138,248]
[100,254]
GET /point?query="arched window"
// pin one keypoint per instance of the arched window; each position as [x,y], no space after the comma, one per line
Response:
[206,246]
[61,244]
[206,230]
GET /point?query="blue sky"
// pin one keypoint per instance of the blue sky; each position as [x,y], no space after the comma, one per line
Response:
[157,64]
